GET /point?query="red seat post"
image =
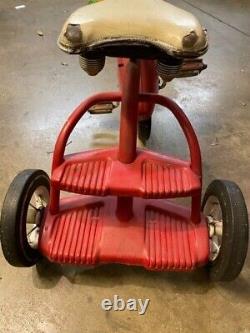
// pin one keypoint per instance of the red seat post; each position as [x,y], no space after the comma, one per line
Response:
[129,113]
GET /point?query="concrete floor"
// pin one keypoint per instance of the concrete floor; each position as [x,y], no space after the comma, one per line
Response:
[37,93]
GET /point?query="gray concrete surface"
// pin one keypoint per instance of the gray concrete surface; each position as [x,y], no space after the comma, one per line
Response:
[37,93]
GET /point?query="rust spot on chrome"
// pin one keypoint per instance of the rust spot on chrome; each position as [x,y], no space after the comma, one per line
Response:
[190,39]
[73,33]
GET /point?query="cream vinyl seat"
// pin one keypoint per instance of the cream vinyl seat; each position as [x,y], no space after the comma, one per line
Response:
[142,28]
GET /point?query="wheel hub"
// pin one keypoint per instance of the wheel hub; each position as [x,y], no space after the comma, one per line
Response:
[37,205]
[213,212]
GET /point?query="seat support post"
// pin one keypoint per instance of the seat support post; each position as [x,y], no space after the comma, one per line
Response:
[129,113]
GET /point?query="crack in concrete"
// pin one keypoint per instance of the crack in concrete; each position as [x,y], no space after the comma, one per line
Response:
[217,18]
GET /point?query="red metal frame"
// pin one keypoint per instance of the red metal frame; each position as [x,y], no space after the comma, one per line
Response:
[121,214]
[130,98]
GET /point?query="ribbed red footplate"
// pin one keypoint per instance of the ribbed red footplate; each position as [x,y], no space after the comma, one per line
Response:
[151,175]
[159,235]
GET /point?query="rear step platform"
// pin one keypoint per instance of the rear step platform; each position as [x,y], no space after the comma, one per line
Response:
[151,175]
[96,230]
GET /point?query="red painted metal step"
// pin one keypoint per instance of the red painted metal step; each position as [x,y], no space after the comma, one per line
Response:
[151,175]
[87,231]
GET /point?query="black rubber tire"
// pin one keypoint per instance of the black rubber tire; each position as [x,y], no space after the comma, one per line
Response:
[15,246]
[229,263]
[144,129]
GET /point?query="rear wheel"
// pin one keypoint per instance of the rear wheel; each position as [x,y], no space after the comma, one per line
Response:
[226,212]
[22,214]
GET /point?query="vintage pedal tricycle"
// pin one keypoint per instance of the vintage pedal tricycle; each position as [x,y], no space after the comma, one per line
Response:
[121,208]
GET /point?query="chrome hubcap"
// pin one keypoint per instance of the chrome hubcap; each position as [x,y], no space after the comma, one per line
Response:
[213,212]
[37,204]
